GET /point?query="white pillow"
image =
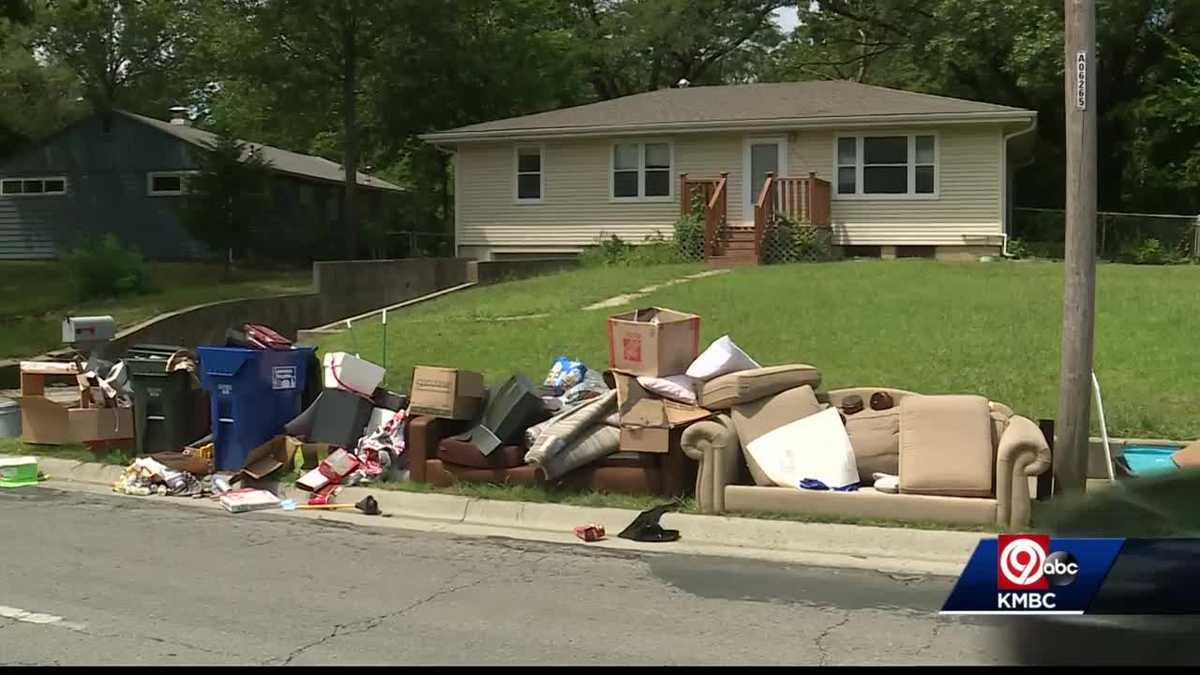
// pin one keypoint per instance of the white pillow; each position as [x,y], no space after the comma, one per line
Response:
[816,447]
[676,387]
[721,357]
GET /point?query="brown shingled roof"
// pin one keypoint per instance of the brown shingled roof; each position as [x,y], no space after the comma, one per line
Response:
[737,106]
[281,161]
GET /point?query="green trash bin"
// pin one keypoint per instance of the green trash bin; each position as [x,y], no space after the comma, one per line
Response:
[169,408]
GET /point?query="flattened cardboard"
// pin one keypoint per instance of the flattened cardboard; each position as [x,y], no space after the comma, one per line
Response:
[446,392]
[268,457]
[640,346]
[647,421]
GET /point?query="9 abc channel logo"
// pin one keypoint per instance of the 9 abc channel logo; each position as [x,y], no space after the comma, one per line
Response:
[1025,563]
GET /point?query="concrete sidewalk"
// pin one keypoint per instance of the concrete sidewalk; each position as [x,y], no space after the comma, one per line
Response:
[885,549]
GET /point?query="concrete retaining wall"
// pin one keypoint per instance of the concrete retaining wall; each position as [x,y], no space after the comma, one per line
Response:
[495,271]
[340,289]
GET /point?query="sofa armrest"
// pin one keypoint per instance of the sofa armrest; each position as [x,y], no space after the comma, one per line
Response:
[1023,452]
[423,433]
[713,443]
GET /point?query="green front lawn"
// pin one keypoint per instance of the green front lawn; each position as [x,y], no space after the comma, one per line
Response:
[927,326]
[35,296]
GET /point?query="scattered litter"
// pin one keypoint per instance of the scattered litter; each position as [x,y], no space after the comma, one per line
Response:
[564,374]
[590,532]
[248,499]
[18,471]
[645,526]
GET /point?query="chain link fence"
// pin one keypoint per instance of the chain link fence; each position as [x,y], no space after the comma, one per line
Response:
[788,241]
[1123,237]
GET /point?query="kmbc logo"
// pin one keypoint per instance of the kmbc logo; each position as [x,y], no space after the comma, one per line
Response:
[1024,563]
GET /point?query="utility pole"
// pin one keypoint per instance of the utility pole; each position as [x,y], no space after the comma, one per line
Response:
[1079,265]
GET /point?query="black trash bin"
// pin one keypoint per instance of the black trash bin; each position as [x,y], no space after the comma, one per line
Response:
[169,408]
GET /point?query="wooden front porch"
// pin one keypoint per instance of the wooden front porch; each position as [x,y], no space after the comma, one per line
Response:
[803,201]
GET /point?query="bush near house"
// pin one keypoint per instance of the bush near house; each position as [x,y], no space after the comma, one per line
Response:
[106,269]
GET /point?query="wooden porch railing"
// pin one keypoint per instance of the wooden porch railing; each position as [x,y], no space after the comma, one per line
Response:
[805,200]
[713,196]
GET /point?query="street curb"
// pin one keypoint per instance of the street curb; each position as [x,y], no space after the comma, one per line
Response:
[883,549]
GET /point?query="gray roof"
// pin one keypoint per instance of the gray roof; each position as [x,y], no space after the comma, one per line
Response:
[739,106]
[282,161]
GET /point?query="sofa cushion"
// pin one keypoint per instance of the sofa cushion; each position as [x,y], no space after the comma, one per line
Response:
[864,503]
[815,448]
[465,453]
[946,446]
[875,437]
[752,420]
[746,386]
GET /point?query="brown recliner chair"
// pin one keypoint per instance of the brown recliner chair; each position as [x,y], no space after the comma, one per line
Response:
[431,460]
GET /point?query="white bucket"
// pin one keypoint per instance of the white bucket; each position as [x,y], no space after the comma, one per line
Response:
[10,418]
[344,371]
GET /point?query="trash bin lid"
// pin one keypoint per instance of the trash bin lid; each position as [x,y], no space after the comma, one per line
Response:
[224,361]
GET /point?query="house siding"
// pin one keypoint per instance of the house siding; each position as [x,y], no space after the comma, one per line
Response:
[106,172]
[576,209]
[969,205]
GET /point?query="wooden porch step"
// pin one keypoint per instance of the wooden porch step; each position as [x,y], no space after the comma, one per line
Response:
[735,260]
[739,246]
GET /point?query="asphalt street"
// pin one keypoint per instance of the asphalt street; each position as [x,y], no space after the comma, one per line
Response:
[100,579]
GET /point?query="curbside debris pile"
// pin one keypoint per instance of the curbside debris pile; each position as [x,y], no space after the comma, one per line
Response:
[243,421]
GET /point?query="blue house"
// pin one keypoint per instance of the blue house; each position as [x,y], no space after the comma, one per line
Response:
[125,174]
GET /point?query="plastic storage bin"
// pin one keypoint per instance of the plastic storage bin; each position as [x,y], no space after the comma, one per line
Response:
[253,393]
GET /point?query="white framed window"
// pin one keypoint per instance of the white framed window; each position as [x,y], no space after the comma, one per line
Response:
[39,186]
[530,182]
[167,183]
[641,171]
[886,166]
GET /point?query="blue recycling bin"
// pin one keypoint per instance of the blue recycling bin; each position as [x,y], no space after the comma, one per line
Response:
[254,393]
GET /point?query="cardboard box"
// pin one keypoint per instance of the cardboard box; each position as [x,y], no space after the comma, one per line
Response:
[654,342]
[44,422]
[649,423]
[446,392]
[270,456]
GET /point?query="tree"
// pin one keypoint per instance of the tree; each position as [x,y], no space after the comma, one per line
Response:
[630,46]
[117,46]
[227,196]
[36,99]
[328,44]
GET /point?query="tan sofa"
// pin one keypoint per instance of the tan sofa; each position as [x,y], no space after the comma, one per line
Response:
[960,459]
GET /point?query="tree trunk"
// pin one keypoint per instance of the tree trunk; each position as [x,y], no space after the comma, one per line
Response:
[350,136]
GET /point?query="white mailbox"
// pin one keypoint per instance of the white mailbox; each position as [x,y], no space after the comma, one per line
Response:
[88,329]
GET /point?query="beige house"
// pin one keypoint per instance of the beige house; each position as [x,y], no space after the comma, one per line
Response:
[893,173]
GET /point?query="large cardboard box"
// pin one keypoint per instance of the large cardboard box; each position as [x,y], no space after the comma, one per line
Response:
[650,423]
[446,392]
[44,422]
[654,342]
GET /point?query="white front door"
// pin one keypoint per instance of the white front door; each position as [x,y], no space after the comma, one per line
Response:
[760,156]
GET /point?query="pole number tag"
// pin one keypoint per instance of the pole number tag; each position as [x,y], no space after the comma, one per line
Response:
[1081,62]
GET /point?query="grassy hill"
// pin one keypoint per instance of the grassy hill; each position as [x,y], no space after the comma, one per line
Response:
[932,327]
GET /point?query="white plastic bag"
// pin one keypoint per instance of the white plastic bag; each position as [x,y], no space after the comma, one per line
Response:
[721,357]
